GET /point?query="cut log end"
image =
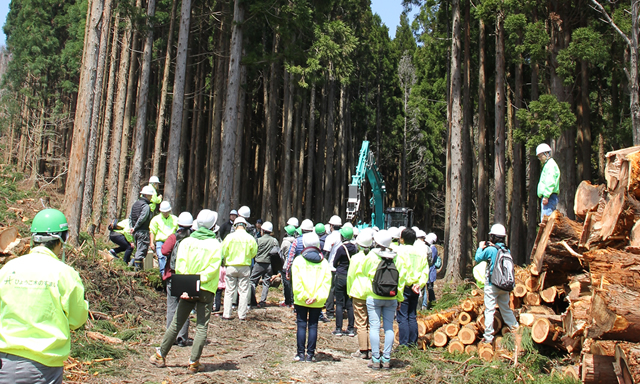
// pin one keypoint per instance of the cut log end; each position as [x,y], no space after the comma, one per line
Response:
[452,329]
[520,290]
[467,335]
[464,318]
[440,338]
[549,295]
[455,346]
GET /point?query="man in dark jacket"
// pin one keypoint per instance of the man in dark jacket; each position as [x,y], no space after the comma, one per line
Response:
[225,228]
[262,265]
[139,219]
[341,263]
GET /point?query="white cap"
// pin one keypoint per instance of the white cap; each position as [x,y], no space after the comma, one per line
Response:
[185,219]
[498,230]
[365,238]
[207,218]
[293,221]
[310,240]
[335,220]
[147,190]
[382,238]
[244,211]
[267,226]
[307,226]
[240,220]
[542,148]
[154,179]
[394,232]
[165,206]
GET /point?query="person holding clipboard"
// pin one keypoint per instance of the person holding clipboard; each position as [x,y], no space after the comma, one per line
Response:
[196,281]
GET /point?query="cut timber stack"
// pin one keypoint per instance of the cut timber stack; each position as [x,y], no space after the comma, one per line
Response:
[581,292]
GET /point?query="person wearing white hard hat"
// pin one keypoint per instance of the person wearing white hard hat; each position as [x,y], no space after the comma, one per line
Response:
[262,266]
[435,262]
[245,213]
[155,199]
[226,227]
[395,238]
[386,294]
[287,240]
[331,244]
[238,250]
[293,221]
[549,184]
[487,251]
[139,219]
[169,250]
[198,254]
[297,245]
[160,228]
[358,288]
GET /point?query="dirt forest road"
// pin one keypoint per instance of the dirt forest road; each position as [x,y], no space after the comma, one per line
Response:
[260,350]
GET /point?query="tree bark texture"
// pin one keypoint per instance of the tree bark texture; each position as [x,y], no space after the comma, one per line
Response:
[499,167]
[483,170]
[311,151]
[271,106]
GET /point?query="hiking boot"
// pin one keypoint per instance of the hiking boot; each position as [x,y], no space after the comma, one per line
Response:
[195,367]
[113,253]
[157,359]
[374,363]
[310,359]
[323,318]
[361,355]
[386,363]
[337,332]
[351,332]
[184,343]
[299,357]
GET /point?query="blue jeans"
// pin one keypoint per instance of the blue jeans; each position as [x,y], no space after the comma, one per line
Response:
[385,310]
[162,259]
[406,316]
[307,316]
[547,210]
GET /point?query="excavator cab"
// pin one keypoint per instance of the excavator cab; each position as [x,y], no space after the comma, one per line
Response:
[398,217]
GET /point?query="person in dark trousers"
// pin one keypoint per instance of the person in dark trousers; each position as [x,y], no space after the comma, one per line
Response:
[341,263]
[140,218]
[120,235]
[170,250]
[287,240]
[262,266]
[259,223]
[225,228]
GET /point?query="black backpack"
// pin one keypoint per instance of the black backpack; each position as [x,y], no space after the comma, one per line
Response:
[385,281]
[503,275]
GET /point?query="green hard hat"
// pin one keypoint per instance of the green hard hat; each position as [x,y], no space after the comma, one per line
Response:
[346,232]
[49,221]
[290,229]
[320,229]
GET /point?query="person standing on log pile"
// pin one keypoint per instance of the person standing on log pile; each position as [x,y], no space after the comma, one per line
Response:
[549,184]
[160,228]
[41,300]
[487,251]
[199,254]
[358,288]
[140,218]
[155,199]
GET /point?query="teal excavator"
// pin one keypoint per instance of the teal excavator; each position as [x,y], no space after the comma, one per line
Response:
[368,169]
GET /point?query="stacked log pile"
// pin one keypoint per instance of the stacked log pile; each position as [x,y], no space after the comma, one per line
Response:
[581,292]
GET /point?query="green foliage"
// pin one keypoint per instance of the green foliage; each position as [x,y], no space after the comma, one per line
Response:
[586,44]
[85,349]
[451,296]
[547,117]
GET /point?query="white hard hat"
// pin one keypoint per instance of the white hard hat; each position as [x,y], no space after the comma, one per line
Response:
[307,226]
[327,228]
[347,225]
[382,238]
[375,228]
[394,232]
[365,238]
[185,219]
[267,226]
[165,206]
[154,179]
[207,218]
[415,229]
[356,231]
[310,240]
[335,220]
[147,190]
[244,211]
[420,234]
[498,230]
[542,148]
[432,238]
[233,212]
[240,220]
[402,228]
[293,221]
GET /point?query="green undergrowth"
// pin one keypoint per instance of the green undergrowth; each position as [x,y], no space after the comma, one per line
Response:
[451,296]
[9,194]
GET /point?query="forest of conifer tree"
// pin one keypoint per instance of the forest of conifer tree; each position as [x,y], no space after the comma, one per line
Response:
[265,103]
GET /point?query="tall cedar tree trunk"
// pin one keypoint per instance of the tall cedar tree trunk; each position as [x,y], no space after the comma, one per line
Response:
[116,139]
[467,145]
[141,121]
[517,234]
[177,105]
[271,106]
[403,161]
[106,131]
[584,133]
[321,156]
[311,151]
[499,171]
[328,175]
[87,199]
[534,176]
[457,223]
[634,81]
[180,195]
[162,108]
[193,182]
[231,111]
[300,121]
[483,170]
[78,156]
[218,111]
[341,164]
[36,155]
[295,177]
[239,171]
[284,203]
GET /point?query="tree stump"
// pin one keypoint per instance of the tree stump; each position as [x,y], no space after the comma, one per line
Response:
[557,245]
